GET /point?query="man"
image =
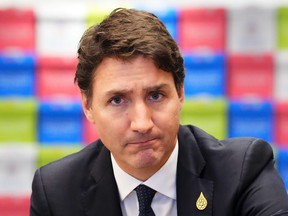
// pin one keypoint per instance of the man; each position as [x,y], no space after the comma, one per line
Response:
[131,74]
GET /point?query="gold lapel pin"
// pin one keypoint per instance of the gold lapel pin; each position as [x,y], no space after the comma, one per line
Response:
[201,202]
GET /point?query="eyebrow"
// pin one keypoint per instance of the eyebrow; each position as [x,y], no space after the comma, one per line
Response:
[157,87]
[127,91]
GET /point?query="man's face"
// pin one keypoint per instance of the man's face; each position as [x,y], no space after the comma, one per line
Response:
[136,108]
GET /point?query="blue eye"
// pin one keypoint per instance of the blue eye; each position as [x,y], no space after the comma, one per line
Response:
[156,96]
[117,100]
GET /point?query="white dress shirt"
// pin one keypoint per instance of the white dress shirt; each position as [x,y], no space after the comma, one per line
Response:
[163,181]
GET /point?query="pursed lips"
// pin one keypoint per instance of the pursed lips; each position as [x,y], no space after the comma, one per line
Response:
[142,141]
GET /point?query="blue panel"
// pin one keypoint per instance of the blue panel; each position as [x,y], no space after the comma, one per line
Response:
[60,122]
[251,119]
[205,74]
[170,19]
[17,75]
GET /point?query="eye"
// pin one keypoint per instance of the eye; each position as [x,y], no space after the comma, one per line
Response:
[156,96]
[117,100]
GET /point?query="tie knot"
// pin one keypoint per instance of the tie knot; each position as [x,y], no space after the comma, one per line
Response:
[145,195]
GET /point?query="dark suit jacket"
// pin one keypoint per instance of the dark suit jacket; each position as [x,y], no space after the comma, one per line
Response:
[236,176]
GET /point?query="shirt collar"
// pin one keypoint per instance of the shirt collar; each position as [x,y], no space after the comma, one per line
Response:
[167,174]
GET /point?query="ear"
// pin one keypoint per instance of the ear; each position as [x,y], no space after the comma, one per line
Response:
[87,109]
[181,94]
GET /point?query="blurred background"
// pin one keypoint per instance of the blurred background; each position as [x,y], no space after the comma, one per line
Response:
[236,59]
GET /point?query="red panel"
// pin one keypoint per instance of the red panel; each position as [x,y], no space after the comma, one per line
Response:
[17,30]
[281,124]
[202,28]
[250,76]
[14,206]
[55,78]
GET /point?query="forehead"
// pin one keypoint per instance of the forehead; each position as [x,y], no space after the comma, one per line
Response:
[139,71]
[125,66]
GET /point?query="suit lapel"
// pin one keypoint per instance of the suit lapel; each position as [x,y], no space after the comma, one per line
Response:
[101,196]
[189,182]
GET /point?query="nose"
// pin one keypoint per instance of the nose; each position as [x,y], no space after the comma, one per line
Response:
[140,117]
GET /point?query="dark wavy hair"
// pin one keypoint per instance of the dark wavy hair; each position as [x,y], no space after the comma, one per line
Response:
[126,34]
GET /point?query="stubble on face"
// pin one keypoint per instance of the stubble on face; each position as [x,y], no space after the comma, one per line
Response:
[136,109]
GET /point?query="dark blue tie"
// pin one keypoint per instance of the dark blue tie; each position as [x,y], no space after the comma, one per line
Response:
[145,195]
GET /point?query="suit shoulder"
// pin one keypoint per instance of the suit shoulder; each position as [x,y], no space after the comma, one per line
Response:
[241,145]
[242,152]
[252,148]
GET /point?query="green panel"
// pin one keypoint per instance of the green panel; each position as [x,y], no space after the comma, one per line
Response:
[96,15]
[49,154]
[18,121]
[282,28]
[209,115]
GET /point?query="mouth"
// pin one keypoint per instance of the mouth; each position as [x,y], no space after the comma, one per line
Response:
[143,142]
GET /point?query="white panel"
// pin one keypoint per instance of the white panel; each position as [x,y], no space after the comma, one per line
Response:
[17,167]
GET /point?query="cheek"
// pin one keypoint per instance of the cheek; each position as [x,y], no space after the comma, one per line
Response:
[170,114]
[167,122]
[111,129]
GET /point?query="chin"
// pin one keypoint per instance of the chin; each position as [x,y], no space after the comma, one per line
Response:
[146,161]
